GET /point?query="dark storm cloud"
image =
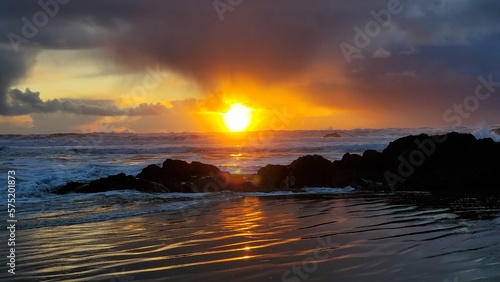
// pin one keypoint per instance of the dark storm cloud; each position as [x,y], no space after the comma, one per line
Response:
[12,68]
[276,41]
[267,40]
[17,103]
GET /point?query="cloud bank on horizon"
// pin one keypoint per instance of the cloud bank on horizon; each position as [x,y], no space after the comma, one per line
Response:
[350,64]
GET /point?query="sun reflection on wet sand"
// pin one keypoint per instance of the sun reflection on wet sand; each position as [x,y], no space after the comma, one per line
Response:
[250,237]
[245,219]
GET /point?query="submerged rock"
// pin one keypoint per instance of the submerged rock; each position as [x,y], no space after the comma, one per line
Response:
[332,135]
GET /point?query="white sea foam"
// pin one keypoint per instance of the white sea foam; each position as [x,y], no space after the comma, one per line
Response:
[485,131]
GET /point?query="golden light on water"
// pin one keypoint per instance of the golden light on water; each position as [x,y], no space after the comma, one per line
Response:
[238,118]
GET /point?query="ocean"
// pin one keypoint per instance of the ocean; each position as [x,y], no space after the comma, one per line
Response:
[320,234]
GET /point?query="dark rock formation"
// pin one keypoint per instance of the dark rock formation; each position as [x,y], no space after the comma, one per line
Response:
[443,163]
[69,187]
[451,163]
[227,181]
[496,131]
[112,183]
[330,135]
[448,163]
[174,176]
[183,171]
[362,172]
[154,173]
[200,169]
[312,171]
[177,175]
[272,176]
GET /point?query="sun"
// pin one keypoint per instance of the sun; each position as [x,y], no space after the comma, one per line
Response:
[237,118]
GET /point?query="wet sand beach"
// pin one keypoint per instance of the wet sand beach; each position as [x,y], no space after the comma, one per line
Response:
[238,237]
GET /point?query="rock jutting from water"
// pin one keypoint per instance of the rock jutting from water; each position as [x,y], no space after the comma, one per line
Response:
[332,135]
[450,163]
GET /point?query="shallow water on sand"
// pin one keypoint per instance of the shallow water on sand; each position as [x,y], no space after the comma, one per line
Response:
[320,237]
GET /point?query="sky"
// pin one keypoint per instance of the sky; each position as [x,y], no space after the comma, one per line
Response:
[178,65]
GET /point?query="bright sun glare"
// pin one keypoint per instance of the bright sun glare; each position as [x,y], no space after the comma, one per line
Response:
[238,117]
